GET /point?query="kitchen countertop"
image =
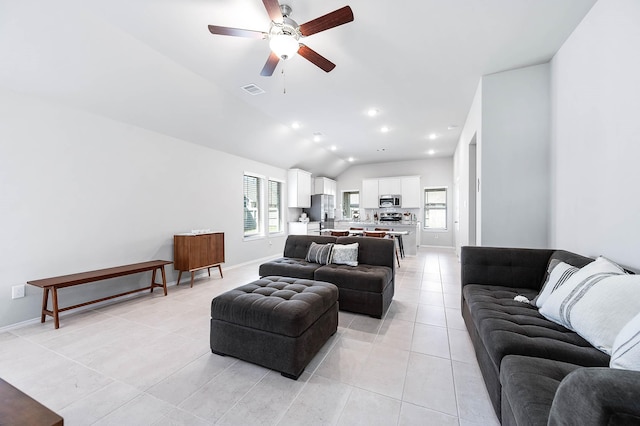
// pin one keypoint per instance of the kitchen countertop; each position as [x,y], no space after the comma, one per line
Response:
[407,229]
[377,223]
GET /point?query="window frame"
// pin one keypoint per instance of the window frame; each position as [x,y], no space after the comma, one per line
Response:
[281,223]
[259,209]
[347,208]
[426,208]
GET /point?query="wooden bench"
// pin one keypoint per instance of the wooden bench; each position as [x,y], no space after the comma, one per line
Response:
[53,284]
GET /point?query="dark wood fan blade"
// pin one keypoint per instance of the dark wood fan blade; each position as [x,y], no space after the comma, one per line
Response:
[315,58]
[270,66]
[236,32]
[273,9]
[330,20]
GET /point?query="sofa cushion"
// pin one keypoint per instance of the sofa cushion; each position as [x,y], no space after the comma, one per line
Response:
[297,246]
[281,305]
[507,327]
[597,396]
[362,277]
[289,267]
[372,251]
[528,387]
[570,258]
[508,267]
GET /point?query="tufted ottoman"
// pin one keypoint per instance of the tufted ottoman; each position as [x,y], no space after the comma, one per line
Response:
[277,322]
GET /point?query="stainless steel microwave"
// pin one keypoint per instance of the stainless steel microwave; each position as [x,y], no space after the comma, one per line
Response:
[389,201]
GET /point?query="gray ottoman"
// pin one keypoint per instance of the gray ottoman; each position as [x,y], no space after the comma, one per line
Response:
[277,322]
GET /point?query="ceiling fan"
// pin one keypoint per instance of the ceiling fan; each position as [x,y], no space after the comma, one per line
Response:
[285,33]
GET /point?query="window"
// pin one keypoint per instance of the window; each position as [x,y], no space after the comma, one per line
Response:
[435,208]
[275,206]
[351,205]
[252,217]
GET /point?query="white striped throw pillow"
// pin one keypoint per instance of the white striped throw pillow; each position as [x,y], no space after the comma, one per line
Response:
[625,353]
[319,253]
[596,302]
[560,272]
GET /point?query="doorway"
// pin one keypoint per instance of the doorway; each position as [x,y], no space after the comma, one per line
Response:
[474,187]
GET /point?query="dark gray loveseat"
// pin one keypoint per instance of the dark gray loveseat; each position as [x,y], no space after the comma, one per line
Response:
[536,371]
[366,289]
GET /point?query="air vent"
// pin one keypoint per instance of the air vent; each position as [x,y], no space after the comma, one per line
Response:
[252,89]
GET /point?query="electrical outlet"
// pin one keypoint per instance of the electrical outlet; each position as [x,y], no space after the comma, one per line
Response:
[17,291]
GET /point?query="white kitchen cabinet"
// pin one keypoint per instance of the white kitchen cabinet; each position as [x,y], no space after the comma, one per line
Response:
[389,186]
[410,192]
[369,194]
[299,188]
[300,228]
[323,185]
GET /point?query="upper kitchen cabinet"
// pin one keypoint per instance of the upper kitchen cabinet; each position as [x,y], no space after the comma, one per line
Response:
[323,185]
[369,195]
[299,188]
[410,192]
[389,186]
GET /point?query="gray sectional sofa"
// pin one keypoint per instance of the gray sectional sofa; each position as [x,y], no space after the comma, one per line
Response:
[536,371]
[366,288]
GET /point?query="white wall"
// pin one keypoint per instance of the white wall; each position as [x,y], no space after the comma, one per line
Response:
[514,151]
[595,131]
[432,172]
[80,192]
[509,122]
[471,129]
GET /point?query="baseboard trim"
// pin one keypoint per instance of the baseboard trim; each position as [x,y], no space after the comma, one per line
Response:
[198,274]
[431,246]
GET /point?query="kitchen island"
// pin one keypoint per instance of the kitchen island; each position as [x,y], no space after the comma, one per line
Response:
[409,240]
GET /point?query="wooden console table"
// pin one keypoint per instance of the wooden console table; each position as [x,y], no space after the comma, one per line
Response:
[53,284]
[18,408]
[193,252]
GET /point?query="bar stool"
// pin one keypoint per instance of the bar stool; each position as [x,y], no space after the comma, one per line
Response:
[339,233]
[353,228]
[398,239]
[374,234]
[381,233]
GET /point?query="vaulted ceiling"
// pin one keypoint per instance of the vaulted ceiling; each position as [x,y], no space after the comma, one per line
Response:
[154,64]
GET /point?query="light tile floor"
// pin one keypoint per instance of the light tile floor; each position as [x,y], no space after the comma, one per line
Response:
[146,361]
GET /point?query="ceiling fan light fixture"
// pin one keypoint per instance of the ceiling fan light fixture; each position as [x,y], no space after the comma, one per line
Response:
[284,45]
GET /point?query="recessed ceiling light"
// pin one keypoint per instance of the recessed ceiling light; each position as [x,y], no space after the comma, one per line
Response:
[317,137]
[350,159]
[384,129]
[452,126]
[372,112]
[295,125]
[431,152]
[433,136]
[333,148]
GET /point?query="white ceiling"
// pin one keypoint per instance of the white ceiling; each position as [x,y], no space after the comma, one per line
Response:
[154,64]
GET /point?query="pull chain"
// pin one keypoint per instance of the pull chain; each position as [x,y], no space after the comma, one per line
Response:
[284,82]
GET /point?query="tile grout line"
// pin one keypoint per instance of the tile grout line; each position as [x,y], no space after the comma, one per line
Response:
[362,326]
